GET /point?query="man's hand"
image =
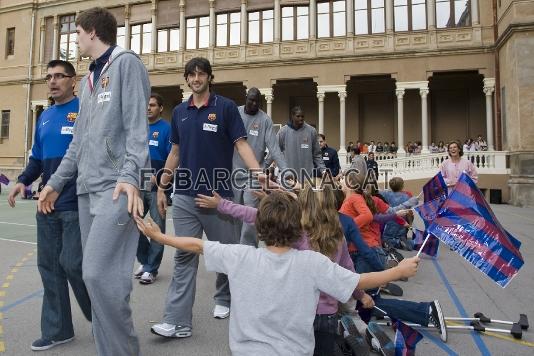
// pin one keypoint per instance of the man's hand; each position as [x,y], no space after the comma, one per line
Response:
[162,202]
[47,199]
[208,202]
[16,190]
[135,204]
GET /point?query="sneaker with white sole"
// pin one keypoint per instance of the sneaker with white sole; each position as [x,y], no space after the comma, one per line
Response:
[147,278]
[138,272]
[221,312]
[436,317]
[170,330]
[45,344]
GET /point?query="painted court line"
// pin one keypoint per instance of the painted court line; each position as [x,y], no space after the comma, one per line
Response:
[476,336]
[19,241]
[17,224]
[36,294]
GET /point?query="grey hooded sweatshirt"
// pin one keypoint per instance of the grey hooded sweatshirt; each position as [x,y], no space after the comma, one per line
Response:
[109,143]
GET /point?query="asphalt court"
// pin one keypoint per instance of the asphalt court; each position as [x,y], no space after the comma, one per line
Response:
[461,289]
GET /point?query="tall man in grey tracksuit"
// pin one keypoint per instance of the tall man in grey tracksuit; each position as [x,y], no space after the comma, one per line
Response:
[300,145]
[108,150]
[260,135]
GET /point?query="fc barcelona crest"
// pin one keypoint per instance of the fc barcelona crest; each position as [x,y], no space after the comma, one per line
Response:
[105,82]
[212,117]
[71,116]
[155,135]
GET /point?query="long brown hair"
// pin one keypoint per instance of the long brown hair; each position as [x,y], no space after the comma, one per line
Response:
[356,182]
[320,219]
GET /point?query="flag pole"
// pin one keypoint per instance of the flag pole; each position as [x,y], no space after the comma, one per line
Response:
[423,245]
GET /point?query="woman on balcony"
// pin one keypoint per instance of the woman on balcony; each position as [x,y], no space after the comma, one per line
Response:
[452,168]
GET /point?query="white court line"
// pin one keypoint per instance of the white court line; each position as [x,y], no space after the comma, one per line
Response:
[22,242]
[8,223]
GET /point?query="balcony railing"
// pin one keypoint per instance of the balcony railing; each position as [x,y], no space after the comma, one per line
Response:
[427,165]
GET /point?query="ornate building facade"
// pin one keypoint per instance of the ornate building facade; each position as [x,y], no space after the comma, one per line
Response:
[362,70]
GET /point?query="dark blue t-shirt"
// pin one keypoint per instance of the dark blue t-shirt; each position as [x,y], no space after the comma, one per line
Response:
[159,144]
[53,134]
[206,137]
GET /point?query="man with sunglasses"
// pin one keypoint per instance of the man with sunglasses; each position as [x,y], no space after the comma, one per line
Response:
[59,248]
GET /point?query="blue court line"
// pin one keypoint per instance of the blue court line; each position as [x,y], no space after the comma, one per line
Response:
[39,293]
[476,336]
[438,342]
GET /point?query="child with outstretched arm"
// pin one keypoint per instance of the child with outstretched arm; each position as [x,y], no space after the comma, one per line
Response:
[275,290]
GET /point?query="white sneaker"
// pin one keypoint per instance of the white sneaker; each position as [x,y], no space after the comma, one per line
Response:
[147,278]
[138,272]
[170,330]
[221,312]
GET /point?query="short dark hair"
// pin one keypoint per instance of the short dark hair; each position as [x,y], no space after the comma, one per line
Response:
[460,147]
[296,109]
[101,21]
[396,184]
[159,98]
[323,137]
[201,63]
[67,66]
[278,220]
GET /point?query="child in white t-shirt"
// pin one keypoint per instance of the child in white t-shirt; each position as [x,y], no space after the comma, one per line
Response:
[275,290]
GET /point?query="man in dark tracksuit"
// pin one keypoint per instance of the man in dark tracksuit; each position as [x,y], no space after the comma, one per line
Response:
[59,246]
[330,158]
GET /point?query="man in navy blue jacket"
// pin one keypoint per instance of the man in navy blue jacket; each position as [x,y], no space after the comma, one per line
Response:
[59,247]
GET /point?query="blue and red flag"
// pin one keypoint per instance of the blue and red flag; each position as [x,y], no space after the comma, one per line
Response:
[435,188]
[432,245]
[467,224]
[3,179]
[406,338]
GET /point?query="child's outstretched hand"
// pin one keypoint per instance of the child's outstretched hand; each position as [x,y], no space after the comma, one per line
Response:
[367,301]
[204,201]
[408,266]
[148,228]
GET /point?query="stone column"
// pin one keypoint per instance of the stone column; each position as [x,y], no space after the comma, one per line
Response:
[313,19]
[277,21]
[424,119]
[42,41]
[320,97]
[475,21]
[489,88]
[268,93]
[244,23]
[56,38]
[213,24]
[154,37]
[350,17]
[127,30]
[342,153]
[431,14]
[183,26]
[400,121]
[269,98]
[389,16]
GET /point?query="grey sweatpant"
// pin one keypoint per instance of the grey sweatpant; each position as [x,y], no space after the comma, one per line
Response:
[247,231]
[190,220]
[109,243]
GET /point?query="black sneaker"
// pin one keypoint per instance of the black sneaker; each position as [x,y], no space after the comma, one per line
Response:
[436,317]
[45,344]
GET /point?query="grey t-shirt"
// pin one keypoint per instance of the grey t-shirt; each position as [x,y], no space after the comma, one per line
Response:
[275,296]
